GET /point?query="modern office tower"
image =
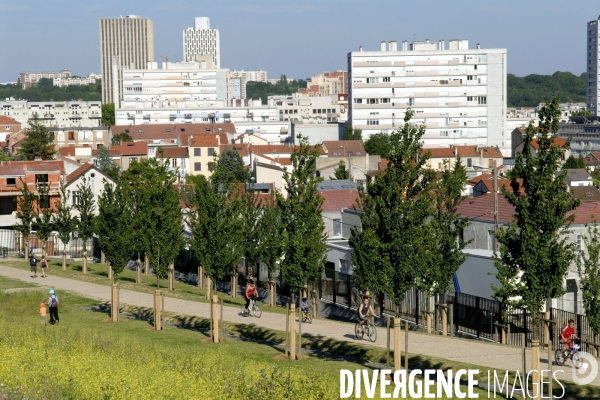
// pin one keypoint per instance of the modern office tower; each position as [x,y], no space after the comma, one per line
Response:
[458,93]
[201,40]
[593,54]
[124,42]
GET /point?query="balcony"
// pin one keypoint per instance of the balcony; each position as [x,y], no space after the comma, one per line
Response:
[75,115]
[48,116]
[147,116]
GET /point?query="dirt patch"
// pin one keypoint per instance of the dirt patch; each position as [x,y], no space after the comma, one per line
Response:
[284,357]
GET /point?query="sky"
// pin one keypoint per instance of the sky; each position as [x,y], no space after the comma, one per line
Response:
[298,38]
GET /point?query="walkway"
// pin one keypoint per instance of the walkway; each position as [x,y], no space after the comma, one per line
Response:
[462,350]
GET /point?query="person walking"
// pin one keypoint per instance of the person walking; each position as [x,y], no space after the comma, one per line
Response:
[53,304]
[33,266]
[44,265]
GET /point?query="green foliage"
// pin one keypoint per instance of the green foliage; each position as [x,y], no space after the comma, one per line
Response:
[44,92]
[26,203]
[573,163]
[262,90]
[87,210]
[120,138]
[229,167]
[38,141]
[589,277]
[43,223]
[448,226]
[106,164]
[395,250]
[341,172]
[534,254]
[352,134]
[379,144]
[303,237]
[64,222]
[216,225]
[582,113]
[115,225]
[531,90]
[156,207]
[108,114]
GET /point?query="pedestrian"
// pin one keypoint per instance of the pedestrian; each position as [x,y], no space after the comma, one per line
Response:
[53,304]
[33,266]
[44,265]
[42,312]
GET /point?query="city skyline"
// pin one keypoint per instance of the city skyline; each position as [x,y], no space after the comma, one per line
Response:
[298,40]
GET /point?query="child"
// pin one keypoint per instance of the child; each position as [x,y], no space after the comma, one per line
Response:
[566,336]
[42,312]
[44,265]
[305,305]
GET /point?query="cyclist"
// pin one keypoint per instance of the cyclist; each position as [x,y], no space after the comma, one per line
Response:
[566,336]
[364,310]
[305,306]
[250,293]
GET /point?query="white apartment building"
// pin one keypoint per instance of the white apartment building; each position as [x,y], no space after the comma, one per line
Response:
[237,88]
[124,42]
[29,78]
[309,110]
[201,40]
[326,84]
[54,113]
[593,71]
[77,80]
[250,76]
[458,93]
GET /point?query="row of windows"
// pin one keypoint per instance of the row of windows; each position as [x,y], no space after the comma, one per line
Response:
[198,151]
[323,110]
[198,166]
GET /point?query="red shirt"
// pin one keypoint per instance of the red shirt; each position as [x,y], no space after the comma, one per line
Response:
[567,332]
[250,291]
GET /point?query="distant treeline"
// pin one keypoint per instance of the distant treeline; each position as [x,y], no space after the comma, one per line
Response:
[534,89]
[262,90]
[44,90]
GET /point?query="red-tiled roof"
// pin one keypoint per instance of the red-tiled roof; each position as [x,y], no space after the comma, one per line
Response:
[488,181]
[170,131]
[439,152]
[173,152]
[271,149]
[204,140]
[79,171]
[560,142]
[69,151]
[44,166]
[343,147]
[131,148]
[12,170]
[4,120]
[334,200]
[241,148]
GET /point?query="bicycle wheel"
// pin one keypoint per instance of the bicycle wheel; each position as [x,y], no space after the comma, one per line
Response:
[372,333]
[358,331]
[559,357]
[308,317]
[576,360]
[244,311]
[256,310]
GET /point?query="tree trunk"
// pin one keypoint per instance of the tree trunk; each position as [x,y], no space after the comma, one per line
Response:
[64,259]
[85,261]
[26,249]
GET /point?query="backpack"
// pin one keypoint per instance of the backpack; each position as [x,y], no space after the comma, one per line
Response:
[32,261]
[53,301]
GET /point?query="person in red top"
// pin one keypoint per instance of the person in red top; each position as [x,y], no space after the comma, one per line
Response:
[567,334]
[249,293]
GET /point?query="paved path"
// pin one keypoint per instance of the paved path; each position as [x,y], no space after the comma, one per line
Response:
[462,350]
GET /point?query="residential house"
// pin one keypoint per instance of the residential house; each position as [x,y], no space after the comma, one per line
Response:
[78,154]
[127,152]
[479,158]
[352,152]
[178,157]
[586,193]
[592,160]
[202,151]
[94,177]
[534,146]
[578,177]
[94,137]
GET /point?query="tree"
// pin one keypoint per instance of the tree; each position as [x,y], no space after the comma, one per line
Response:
[379,144]
[64,222]
[229,167]
[303,238]
[396,248]
[38,141]
[341,172]
[534,255]
[106,163]
[115,227]
[352,134]
[216,225]
[156,206]
[25,212]
[574,163]
[43,223]
[108,114]
[582,113]
[87,211]
[120,138]
[589,276]
[448,226]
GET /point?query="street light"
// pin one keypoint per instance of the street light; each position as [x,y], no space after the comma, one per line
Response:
[495,213]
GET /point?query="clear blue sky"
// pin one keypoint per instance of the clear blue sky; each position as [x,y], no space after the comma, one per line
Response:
[298,38]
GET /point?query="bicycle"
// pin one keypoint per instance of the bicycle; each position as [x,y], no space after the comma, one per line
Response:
[562,355]
[253,309]
[367,328]
[306,315]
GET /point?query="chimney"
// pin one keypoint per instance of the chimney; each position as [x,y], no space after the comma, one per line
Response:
[478,46]
[427,41]
[404,45]
[393,45]
[359,48]
[443,44]
[383,45]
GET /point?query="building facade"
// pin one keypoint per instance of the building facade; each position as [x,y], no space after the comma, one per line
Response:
[124,42]
[250,76]
[54,113]
[326,84]
[237,88]
[593,74]
[201,40]
[458,93]
[29,78]
[77,80]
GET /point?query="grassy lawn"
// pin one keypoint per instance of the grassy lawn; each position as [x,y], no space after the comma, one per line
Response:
[7,283]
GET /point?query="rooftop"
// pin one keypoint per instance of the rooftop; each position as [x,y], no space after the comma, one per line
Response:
[340,184]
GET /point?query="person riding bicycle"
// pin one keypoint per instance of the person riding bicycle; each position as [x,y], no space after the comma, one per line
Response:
[364,310]
[566,336]
[250,293]
[305,305]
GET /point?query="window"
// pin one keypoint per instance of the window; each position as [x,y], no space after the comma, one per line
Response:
[211,151]
[343,266]
[385,79]
[443,82]
[75,197]
[444,133]
[471,98]
[314,110]
[44,201]
[482,100]
[7,127]
[372,80]
[411,101]
[41,178]
[197,166]
[174,163]
[470,77]
[385,101]
[469,162]
[356,101]
[211,166]
[372,122]
[490,163]
[197,152]
[11,181]
[337,227]
[71,135]
[372,101]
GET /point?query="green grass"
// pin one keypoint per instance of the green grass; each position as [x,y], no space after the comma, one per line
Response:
[7,283]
